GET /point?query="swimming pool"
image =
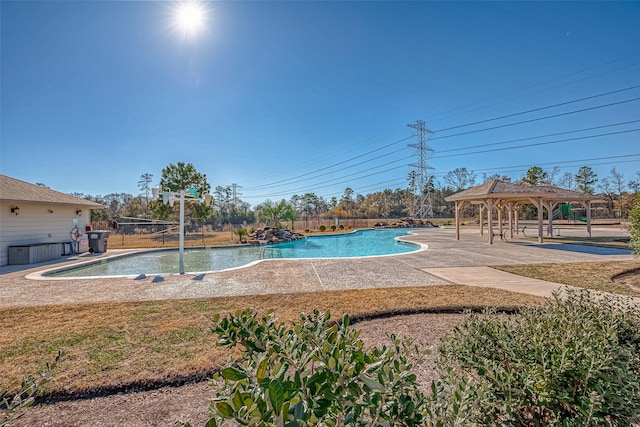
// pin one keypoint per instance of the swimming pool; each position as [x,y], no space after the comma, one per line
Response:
[360,243]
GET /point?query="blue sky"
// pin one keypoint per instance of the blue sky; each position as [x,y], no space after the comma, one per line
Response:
[294,97]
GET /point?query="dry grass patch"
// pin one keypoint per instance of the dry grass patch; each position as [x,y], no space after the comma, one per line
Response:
[122,345]
[590,275]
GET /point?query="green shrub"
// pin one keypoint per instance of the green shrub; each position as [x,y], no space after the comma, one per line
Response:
[573,361]
[634,227]
[333,227]
[313,373]
[241,232]
[322,228]
[341,227]
[13,406]
[306,230]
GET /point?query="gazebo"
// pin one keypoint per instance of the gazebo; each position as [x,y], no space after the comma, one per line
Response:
[502,196]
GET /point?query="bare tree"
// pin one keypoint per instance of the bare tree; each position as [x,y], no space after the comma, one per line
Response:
[617,180]
[487,178]
[607,189]
[634,184]
[567,181]
[460,179]
[554,176]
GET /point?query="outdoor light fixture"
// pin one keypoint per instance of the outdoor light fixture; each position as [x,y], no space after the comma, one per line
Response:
[15,210]
[79,212]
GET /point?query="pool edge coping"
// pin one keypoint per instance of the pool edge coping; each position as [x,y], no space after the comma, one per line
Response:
[41,274]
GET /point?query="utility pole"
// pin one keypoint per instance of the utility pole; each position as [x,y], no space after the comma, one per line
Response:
[424,177]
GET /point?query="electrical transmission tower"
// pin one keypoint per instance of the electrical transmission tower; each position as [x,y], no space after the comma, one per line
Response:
[422,208]
[235,193]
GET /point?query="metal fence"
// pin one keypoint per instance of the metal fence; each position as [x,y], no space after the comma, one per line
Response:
[159,234]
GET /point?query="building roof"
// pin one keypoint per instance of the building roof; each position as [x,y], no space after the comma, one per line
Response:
[496,189]
[14,190]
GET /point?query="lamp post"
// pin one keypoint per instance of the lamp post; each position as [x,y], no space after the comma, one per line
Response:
[169,197]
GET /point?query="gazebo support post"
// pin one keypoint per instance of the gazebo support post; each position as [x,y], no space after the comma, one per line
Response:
[481,219]
[489,204]
[540,221]
[588,206]
[458,204]
[550,207]
[499,207]
[539,204]
[510,213]
[515,211]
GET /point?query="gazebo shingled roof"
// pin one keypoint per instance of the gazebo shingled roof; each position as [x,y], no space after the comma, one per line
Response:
[497,194]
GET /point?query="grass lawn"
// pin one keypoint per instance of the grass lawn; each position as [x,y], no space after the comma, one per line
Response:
[588,275]
[122,345]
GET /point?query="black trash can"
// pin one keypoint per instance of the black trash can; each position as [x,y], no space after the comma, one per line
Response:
[98,240]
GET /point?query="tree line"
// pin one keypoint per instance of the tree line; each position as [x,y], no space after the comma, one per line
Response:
[226,208]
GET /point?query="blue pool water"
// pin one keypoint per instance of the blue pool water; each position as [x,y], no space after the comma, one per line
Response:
[358,244]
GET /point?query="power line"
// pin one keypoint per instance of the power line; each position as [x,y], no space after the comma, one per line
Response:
[544,83]
[297,178]
[538,119]
[380,186]
[341,179]
[538,109]
[331,156]
[343,169]
[328,167]
[524,167]
[538,137]
[336,169]
[494,169]
[578,161]
[540,143]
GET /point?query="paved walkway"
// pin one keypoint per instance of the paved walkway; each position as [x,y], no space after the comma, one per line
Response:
[442,261]
[487,277]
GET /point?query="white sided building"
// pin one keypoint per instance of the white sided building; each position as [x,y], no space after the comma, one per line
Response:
[39,224]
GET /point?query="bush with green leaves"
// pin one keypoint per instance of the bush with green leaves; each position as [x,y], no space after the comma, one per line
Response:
[634,227]
[574,361]
[13,406]
[311,373]
[241,232]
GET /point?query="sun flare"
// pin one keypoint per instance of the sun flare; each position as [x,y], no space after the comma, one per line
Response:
[190,18]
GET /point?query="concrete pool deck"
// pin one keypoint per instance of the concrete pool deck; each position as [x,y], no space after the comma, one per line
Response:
[444,262]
